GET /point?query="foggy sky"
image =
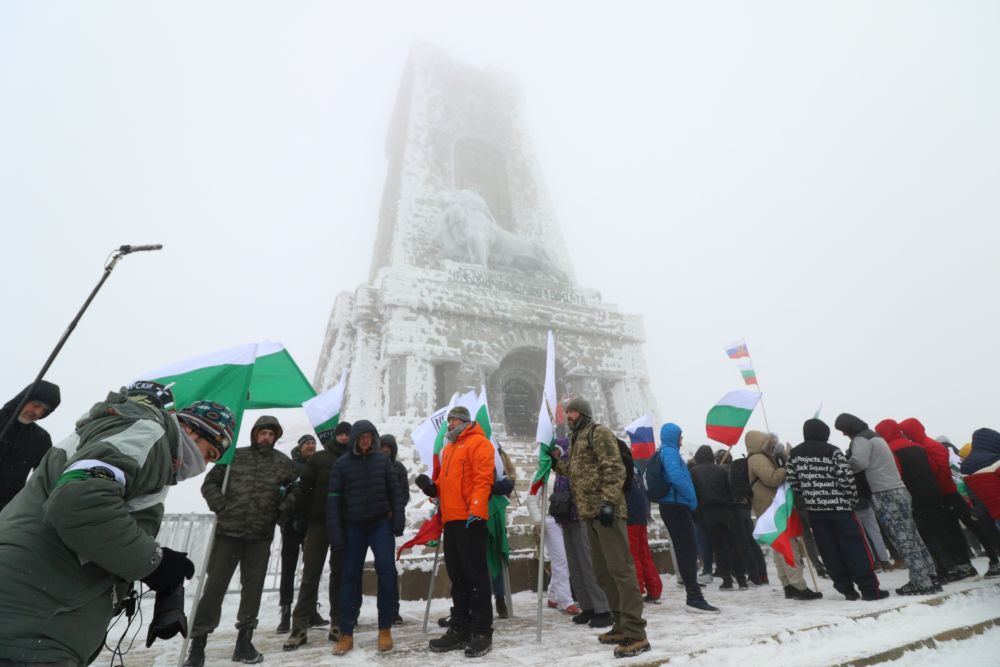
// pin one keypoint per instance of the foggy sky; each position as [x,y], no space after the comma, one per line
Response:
[821,179]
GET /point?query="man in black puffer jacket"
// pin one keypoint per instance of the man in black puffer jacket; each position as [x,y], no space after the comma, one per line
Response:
[820,474]
[26,442]
[711,484]
[365,510]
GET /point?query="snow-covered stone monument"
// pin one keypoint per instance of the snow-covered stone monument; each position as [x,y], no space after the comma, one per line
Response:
[470,270]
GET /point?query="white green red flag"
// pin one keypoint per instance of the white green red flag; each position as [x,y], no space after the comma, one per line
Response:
[748,373]
[256,375]
[545,434]
[324,410]
[726,421]
[779,524]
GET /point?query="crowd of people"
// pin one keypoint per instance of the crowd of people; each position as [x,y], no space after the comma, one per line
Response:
[77,535]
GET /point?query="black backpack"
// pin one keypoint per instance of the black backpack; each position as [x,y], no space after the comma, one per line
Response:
[657,485]
[739,479]
[626,455]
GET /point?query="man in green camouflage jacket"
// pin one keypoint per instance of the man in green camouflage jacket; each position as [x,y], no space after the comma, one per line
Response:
[260,491]
[597,475]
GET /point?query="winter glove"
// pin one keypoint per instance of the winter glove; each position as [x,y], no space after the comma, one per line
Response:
[398,532]
[425,484]
[606,514]
[168,616]
[502,487]
[173,569]
[473,520]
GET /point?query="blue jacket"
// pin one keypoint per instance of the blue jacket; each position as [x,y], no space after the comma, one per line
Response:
[674,469]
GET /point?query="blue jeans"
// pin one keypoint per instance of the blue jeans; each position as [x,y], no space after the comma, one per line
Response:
[704,549]
[357,540]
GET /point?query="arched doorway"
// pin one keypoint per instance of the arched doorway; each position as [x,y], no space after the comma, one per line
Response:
[517,383]
[521,399]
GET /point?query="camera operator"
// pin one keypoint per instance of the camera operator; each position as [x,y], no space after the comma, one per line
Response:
[82,529]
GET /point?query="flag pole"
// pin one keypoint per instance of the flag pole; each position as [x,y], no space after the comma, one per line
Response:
[541,560]
[763,410]
[430,586]
[198,591]
[805,557]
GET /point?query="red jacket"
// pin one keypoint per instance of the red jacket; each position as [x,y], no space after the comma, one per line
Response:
[466,476]
[936,452]
[986,485]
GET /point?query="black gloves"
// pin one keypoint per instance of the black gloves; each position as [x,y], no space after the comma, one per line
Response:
[606,514]
[425,484]
[398,532]
[503,487]
[173,569]
[168,616]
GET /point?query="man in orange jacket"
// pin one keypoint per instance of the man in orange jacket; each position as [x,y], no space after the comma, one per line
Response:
[463,487]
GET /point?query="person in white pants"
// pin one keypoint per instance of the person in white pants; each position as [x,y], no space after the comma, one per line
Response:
[560,594]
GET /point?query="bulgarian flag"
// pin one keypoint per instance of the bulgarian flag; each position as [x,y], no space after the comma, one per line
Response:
[779,524]
[428,533]
[257,375]
[738,350]
[748,373]
[725,421]
[545,433]
[324,410]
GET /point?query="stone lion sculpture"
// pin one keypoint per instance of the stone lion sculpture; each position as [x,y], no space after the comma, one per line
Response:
[471,234]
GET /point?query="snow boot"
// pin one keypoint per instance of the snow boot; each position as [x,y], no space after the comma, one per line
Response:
[384,640]
[345,644]
[602,620]
[583,617]
[807,594]
[245,651]
[742,583]
[611,637]
[912,589]
[699,606]
[452,640]
[967,571]
[478,646]
[705,578]
[196,655]
[317,621]
[630,647]
[993,571]
[444,622]
[790,592]
[285,624]
[726,585]
[852,595]
[649,599]
[297,639]
[502,608]
[871,596]
[334,632]
[397,620]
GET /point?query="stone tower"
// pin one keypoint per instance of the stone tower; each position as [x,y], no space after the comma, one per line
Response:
[470,270]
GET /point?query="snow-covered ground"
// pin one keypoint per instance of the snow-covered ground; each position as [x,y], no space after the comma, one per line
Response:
[757,627]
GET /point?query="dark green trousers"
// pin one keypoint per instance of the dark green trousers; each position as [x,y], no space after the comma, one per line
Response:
[614,570]
[227,553]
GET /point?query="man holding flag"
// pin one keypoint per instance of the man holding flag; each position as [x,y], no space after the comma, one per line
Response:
[259,492]
[597,475]
[463,483]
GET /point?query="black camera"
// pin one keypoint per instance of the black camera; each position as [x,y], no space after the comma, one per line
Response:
[168,616]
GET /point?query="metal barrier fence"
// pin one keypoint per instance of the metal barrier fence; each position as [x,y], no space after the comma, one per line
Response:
[190,533]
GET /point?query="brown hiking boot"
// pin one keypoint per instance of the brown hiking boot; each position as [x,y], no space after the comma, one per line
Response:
[612,637]
[630,647]
[385,640]
[295,640]
[344,645]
